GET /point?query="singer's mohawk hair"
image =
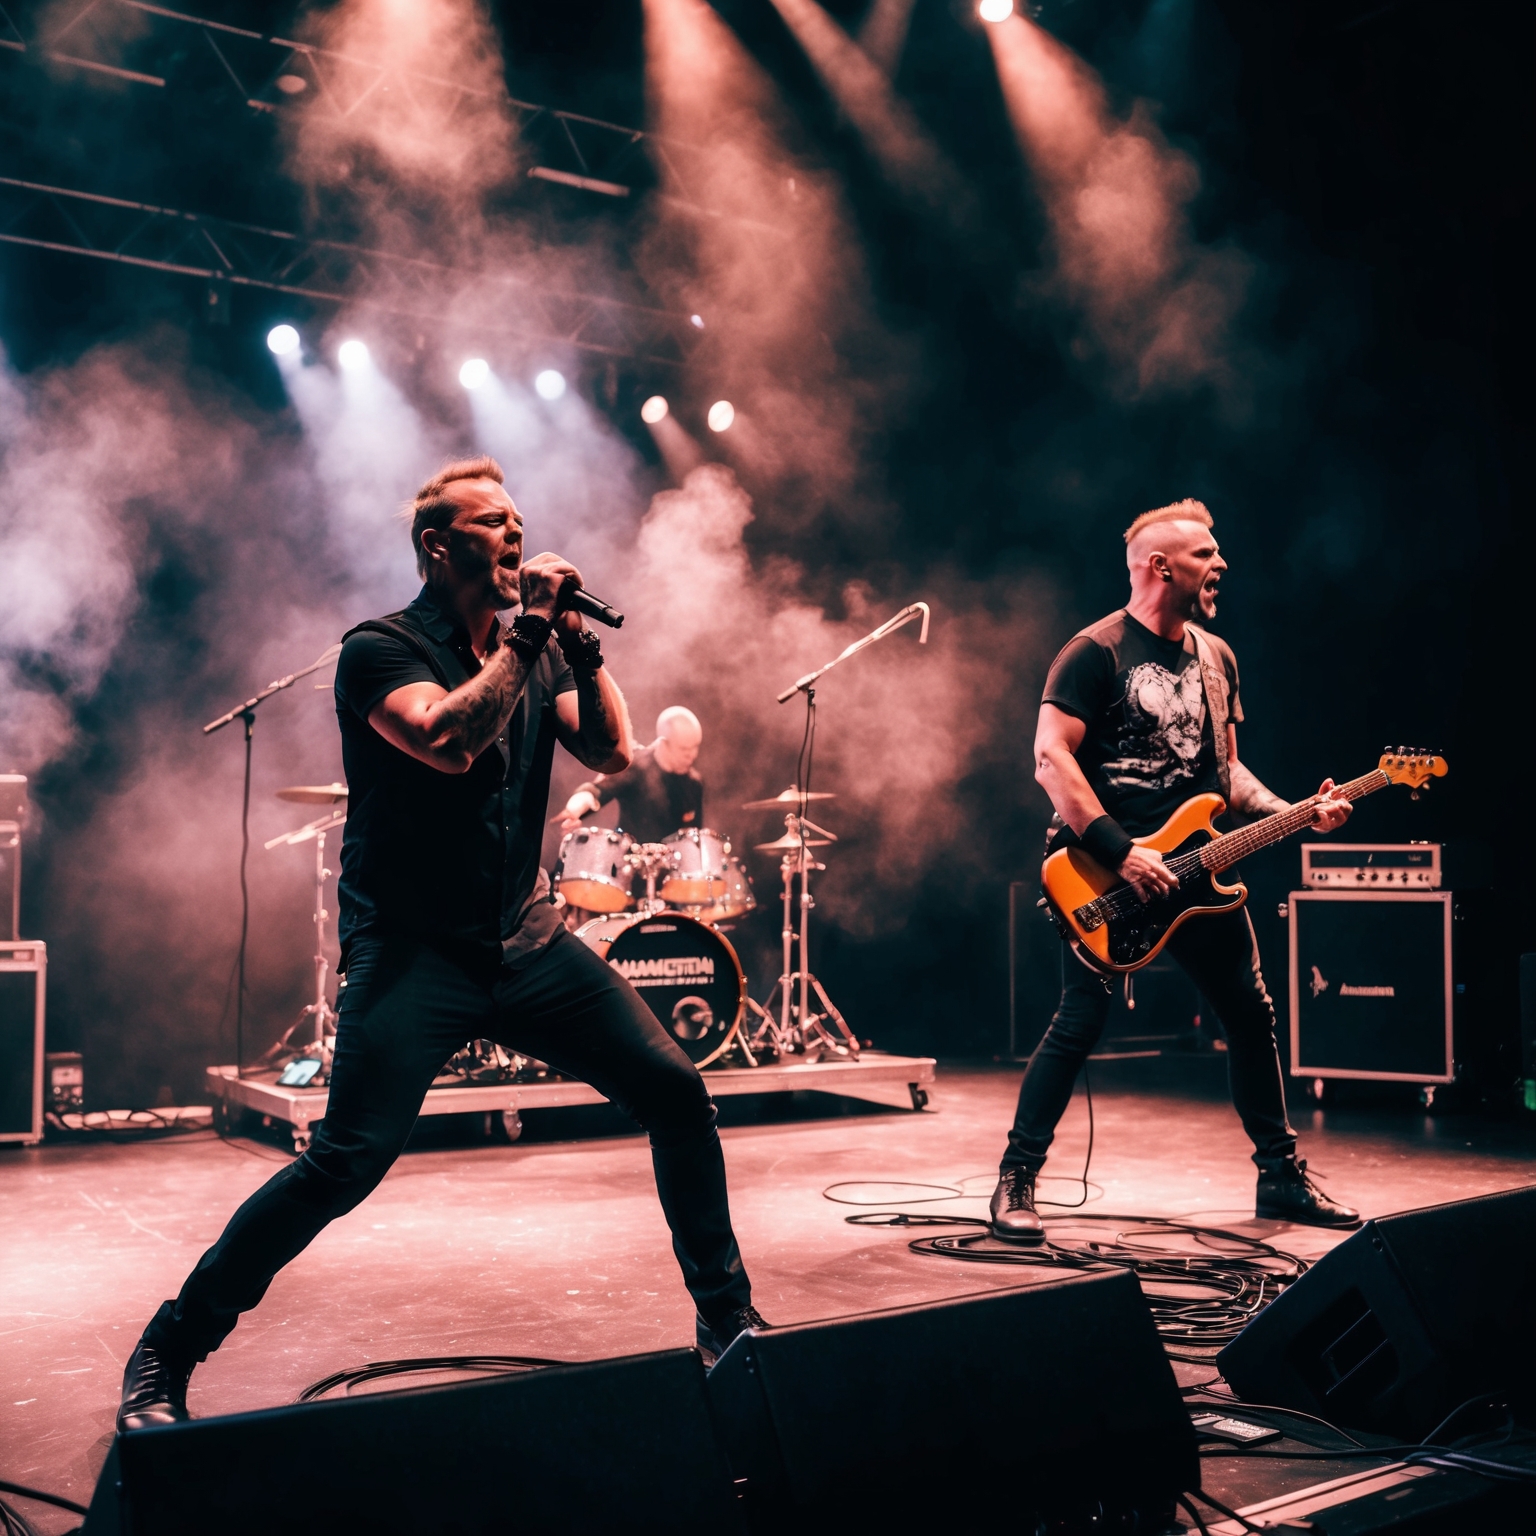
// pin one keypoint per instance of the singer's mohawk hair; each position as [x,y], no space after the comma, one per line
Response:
[430,508]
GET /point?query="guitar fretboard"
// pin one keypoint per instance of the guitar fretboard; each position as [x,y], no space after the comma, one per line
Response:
[1223,852]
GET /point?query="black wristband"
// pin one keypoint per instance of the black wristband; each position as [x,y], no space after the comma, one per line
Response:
[529,633]
[1106,841]
[583,650]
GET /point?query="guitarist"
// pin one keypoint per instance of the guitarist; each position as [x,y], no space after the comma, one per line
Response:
[1140,713]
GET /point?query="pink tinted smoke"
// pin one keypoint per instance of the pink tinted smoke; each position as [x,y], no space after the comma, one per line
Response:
[1116,193]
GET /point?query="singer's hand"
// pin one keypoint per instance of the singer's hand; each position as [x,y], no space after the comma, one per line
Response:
[541,580]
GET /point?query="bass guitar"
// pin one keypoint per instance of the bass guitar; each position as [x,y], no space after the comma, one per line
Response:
[1115,931]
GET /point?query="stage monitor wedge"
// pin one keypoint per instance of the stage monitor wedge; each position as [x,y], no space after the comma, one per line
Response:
[1051,1398]
[613,1445]
[1403,1321]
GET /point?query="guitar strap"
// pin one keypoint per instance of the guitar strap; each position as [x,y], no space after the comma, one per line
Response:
[1217,702]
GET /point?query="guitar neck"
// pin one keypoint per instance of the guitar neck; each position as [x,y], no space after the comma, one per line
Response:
[1222,852]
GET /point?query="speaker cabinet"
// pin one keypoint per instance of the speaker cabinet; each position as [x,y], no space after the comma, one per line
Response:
[1053,1398]
[614,1445]
[23,988]
[1403,1321]
[1371,985]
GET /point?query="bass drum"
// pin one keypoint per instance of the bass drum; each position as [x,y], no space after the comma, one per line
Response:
[593,874]
[685,970]
[706,880]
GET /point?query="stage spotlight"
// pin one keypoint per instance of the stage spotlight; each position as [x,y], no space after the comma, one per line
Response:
[352,354]
[283,339]
[550,384]
[721,414]
[995,10]
[654,410]
[696,321]
[474,373]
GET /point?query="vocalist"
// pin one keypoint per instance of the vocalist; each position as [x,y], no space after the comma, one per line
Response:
[448,729]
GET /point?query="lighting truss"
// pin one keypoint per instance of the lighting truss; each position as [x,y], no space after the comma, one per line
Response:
[221,251]
[156,47]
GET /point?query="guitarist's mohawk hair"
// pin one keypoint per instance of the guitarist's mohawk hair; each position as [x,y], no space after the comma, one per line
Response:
[1188,511]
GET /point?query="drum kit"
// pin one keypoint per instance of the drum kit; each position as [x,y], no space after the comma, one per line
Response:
[672,943]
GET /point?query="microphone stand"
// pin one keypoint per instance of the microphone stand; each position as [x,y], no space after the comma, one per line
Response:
[799,862]
[247,713]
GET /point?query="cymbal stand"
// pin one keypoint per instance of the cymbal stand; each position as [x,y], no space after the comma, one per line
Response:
[320,1010]
[810,1032]
[246,713]
[798,1030]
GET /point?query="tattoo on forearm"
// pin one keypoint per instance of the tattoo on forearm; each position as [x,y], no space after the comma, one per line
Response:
[1250,797]
[473,715]
[598,731]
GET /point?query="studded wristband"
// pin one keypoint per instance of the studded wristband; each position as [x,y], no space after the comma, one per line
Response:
[583,650]
[529,634]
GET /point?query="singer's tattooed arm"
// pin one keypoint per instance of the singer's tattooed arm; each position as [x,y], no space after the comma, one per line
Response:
[594,723]
[448,731]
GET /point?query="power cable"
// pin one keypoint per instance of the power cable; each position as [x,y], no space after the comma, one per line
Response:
[22,1491]
[489,1365]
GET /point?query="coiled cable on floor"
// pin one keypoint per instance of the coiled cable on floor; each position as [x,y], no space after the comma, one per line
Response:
[1233,1279]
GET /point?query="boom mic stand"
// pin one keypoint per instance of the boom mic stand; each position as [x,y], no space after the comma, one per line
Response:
[247,713]
[797,1024]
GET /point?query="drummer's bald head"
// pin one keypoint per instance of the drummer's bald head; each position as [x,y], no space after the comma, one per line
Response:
[678,735]
[680,726]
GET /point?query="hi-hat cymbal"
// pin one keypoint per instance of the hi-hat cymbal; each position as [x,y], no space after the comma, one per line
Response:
[790,796]
[313,794]
[789,840]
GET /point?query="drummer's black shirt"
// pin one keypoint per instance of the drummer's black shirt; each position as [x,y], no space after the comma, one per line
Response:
[450,858]
[653,803]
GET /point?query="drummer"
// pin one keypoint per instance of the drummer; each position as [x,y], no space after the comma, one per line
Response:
[660,793]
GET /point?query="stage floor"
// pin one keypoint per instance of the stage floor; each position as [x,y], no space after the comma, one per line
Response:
[555,1246]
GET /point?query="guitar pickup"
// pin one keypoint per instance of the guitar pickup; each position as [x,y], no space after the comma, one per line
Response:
[1089,917]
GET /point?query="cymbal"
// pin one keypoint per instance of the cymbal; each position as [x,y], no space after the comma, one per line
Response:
[790,796]
[313,794]
[789,841]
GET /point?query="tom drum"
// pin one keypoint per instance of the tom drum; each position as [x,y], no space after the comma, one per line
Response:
[593,874]
[706,880]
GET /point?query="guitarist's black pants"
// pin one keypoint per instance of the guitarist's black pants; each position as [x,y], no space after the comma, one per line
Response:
[1221,956]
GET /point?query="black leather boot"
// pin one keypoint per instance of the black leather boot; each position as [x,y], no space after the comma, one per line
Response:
[1014,1217]
[1287,1192]
[154,1389]
[714,1339]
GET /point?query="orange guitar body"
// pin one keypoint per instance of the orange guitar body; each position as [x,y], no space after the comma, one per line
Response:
[1071,880]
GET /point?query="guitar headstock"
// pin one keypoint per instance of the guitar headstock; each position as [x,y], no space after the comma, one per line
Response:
[1411,766]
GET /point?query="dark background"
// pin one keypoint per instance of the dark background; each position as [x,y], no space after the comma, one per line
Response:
[1373,159]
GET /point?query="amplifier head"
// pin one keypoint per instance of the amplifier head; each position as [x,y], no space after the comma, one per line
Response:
[1364,866]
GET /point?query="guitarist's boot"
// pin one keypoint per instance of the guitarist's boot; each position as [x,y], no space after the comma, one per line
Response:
[1014,1218]
[1288,1193]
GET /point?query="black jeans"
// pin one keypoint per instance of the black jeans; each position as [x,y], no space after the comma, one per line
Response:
[406,1009]
[1221,956]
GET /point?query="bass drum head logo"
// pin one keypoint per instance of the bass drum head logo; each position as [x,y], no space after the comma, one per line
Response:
[692,1018]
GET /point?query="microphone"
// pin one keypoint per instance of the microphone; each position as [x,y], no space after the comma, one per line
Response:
[572,596]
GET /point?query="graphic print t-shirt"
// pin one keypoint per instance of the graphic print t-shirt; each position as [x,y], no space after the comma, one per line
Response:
[1149,744]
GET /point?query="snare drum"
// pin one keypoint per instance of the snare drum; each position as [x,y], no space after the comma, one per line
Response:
[686,972]
[593,874]
[707,880]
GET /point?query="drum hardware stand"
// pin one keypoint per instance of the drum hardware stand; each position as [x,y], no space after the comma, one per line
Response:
[320,1010]
[650,859]
[797,1028]
[247,713]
